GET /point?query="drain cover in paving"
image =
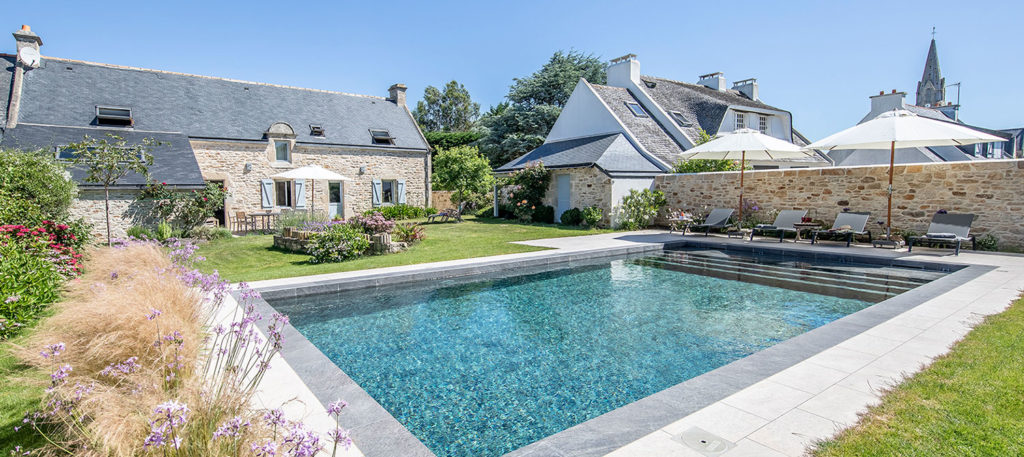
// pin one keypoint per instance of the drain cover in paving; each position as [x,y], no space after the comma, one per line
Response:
[703,442]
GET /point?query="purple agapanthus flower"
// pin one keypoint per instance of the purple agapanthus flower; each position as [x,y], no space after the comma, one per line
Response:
[232,428]
[335,407]
[53,350]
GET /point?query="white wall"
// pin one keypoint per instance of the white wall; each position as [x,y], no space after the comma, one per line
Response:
[779,123]
[621,188]
[583,115]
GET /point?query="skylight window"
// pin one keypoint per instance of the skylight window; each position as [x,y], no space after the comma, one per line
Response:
[317,130]
[110,115]
[637,110]
[382,136]
[678,117]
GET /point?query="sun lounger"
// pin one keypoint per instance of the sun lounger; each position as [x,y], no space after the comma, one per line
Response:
[719,218]
[947,228]
[847,224]
[784,222]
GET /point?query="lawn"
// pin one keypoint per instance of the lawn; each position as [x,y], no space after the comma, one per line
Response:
[253,258]
[969,402]
[20,392]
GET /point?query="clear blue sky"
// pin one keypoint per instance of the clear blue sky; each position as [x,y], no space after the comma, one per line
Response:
[819,60]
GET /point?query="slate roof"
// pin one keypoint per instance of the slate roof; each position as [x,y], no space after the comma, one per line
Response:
[173,161]
[701,106]
[646,129]
[612,153]
[6,73]
[66,92]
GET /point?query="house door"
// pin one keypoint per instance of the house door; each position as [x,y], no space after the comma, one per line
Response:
[564,185]
[335,200]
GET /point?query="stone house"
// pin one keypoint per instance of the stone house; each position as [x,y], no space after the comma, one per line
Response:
[235,133]
[610,139]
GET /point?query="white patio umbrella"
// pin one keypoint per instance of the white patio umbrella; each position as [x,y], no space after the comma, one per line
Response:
[746,144]
[312,173]
[901,129]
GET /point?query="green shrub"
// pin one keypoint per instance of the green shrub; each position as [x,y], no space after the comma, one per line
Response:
[141,233]
[572,217]
[33,187]
[401,212]
[337,243]
[204,232]
[526,189]
[448,140]
[164,231]
[409,232]
[544,214]
[707,165]
[185,210]
[592,215]
[987,242]
[28,283]
[639,208]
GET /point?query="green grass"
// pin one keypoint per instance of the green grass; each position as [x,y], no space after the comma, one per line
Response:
[18,395]
[253,258]
[967,403]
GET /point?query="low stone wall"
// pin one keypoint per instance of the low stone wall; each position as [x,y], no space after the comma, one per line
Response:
[588,187]
[991,189]
[125,211]
[442,199]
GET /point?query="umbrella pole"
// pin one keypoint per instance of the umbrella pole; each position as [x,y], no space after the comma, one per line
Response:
[743,161]
[888,216]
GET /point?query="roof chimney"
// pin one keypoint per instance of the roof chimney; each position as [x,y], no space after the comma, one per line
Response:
[714,81]
[747,87]
[26,38]
[396,93]
[623,70]
[887,101]
[23,39]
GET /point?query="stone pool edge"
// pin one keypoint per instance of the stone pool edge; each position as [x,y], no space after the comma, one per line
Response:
[376,432]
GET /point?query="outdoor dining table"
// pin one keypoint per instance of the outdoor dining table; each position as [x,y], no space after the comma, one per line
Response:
[262,221]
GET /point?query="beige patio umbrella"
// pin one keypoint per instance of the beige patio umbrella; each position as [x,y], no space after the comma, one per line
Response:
[312,173]
[746,144]
[901,129]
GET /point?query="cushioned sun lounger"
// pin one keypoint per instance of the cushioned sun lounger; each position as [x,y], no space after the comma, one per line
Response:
[949,229]
[783,223]
[719,218]
[846,225]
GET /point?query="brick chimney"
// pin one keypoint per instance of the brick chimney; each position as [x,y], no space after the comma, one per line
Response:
[714,81]
[23,39]
[396,93]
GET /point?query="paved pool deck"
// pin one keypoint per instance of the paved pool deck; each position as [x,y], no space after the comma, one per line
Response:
[773,403]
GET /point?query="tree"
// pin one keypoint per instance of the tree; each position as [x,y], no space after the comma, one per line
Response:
[33,187]
[106,160]
[463,170]
[450,110]
[534,103]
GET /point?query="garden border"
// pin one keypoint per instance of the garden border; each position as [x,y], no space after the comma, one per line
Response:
[376,432]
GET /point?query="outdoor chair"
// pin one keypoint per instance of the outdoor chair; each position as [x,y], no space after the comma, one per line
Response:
[847,224]
[948,229]
[784,222]
[240,222]
[718,218]
[448,214]
[443,214]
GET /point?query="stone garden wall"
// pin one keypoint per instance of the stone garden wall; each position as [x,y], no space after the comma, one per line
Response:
[125,211]
[589,187]
[991,189]
[442,199]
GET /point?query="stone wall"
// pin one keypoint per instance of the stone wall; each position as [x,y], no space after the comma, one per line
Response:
[125,211]
[442,199]
[225,161]
[991,189]
[588,187]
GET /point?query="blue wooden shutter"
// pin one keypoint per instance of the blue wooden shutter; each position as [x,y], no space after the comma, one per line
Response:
[401,191]
[300,194]
[377,190]
[267,193]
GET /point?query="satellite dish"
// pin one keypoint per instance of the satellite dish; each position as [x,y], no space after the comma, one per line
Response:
[29,57]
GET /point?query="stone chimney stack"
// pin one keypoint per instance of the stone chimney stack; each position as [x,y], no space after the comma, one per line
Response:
[887,101]
[25,40]
[396,93]
[623,70]
[714,81]
[747,87]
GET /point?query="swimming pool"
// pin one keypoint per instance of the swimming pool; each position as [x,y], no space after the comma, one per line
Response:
[485,366]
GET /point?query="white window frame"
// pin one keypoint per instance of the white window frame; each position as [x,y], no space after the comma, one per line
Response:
[288,150]
[740,121]
[763,125]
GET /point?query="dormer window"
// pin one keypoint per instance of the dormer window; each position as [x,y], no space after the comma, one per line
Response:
[110,115]
[740,121]
[637,110]
[678,117]
[316,130]
[381,136]
[283,151]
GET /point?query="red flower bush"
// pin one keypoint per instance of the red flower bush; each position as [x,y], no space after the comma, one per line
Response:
[53,241]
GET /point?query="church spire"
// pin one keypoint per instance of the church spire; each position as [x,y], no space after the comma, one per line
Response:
[931,91]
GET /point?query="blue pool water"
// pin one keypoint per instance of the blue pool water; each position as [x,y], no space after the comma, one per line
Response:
[483,368]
